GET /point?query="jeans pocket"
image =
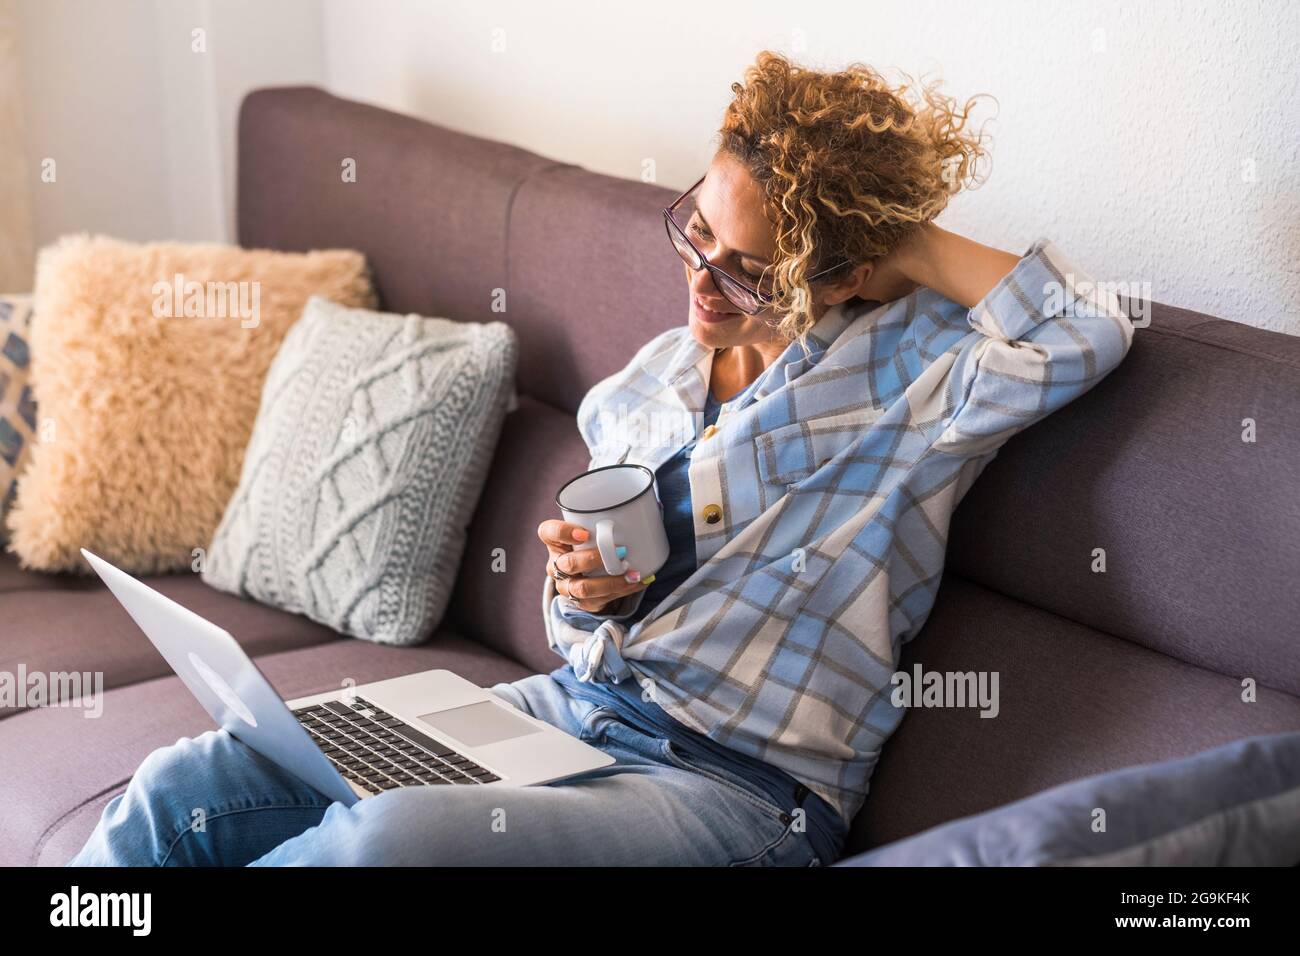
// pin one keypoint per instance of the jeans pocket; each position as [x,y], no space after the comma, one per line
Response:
[679,758]
[595,724]
[782,843]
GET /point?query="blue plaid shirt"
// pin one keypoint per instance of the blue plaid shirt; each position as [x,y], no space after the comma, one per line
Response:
[822,501]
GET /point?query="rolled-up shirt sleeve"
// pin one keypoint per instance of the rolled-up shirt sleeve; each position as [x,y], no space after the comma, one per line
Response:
[1047,333]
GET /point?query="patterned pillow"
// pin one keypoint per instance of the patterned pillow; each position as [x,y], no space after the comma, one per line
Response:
[370,451]
[17,407]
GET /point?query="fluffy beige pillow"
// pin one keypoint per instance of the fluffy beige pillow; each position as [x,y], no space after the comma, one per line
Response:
[147,367]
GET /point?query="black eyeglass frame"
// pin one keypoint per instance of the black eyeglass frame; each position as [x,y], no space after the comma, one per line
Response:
[764,299]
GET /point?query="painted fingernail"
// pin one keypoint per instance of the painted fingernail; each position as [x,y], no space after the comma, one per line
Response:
[581,534]
[621,551]
[648,581]
[632,577]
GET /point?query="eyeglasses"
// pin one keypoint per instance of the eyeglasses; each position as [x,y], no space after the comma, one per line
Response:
[739,293]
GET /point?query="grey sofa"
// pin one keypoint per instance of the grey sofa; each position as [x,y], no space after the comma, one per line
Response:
[1098,670]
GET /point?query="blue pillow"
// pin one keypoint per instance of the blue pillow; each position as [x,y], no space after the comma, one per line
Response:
[1235,805]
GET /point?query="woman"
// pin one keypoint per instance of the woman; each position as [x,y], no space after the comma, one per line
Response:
[846,371]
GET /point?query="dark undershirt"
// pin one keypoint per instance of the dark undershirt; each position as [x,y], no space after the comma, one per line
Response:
[672,480]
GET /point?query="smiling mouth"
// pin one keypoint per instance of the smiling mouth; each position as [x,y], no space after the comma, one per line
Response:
[713,314]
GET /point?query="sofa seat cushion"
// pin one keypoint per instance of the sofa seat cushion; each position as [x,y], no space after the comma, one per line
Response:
[1072,702]
[61,768]
[62,623]
[14,577]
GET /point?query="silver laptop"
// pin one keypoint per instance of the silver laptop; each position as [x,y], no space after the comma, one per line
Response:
[426,729]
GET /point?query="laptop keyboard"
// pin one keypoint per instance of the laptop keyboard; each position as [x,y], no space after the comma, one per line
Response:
[377,751]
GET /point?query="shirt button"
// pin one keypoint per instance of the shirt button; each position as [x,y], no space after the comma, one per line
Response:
[709,432]
[712,514]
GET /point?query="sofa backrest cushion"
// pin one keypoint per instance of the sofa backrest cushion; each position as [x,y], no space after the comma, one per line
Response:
[427,205]
[591,277]
[1183,466]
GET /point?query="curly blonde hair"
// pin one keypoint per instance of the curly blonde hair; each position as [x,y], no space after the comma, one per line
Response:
[849,165]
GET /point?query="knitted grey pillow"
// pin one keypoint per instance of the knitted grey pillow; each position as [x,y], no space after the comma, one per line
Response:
[367,459]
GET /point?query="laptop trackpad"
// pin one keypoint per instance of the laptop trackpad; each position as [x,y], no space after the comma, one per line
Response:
[477,725]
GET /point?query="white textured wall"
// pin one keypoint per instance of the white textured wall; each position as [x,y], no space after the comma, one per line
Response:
[16,234]
[140,124]
[1156,142]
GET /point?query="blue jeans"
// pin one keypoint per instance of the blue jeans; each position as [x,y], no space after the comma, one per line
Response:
[211,800]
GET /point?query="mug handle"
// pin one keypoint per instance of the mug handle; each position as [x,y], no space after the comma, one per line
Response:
[605,544]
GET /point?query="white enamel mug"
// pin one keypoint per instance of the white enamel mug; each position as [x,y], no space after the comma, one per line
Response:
[618,505]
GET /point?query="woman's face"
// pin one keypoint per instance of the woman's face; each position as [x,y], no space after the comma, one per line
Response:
[731,231]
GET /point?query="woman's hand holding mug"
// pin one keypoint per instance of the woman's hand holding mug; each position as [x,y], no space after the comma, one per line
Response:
[611,540]
[595,592]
